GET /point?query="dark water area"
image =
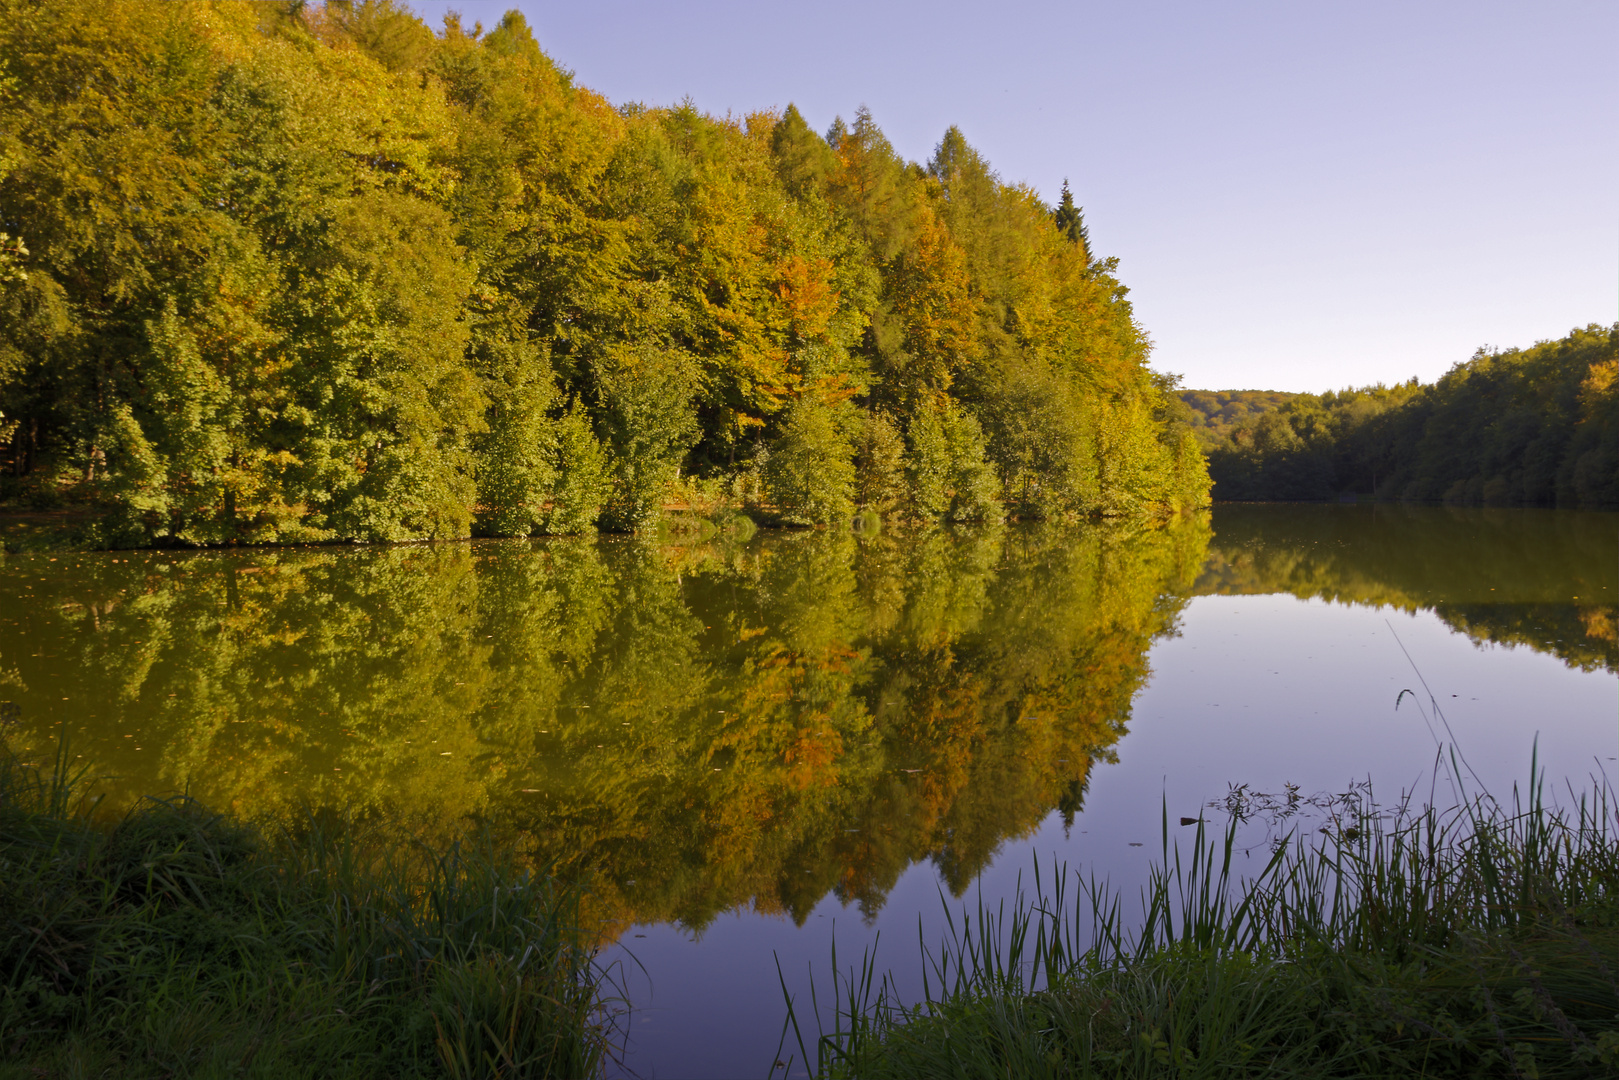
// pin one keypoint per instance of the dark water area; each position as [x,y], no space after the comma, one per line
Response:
[740,745]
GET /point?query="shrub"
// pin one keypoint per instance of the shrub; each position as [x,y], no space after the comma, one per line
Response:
[810,473]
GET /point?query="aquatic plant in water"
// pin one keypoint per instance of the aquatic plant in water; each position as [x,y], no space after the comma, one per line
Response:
[1478,940]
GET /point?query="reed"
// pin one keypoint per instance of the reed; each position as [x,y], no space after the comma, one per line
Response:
[174,941]
[1478,941]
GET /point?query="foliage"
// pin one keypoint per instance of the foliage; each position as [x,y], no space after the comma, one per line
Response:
[879,463]
[580,467]
[1216,414]
[1520,427]
[811,474]
[949,476]
[176,941]
[290,271]
[1406,942]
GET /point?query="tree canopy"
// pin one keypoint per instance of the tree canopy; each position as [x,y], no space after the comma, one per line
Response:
[1217,414]
[280,271]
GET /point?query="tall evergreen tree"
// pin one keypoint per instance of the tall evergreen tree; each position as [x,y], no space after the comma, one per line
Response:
[803,159]
[1070,221]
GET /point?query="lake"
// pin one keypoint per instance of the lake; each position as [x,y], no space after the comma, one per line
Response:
[748,747]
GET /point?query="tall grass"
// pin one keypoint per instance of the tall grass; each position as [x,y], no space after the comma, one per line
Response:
[1478,941]
[176,942]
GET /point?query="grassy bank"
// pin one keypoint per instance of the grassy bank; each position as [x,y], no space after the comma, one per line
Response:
[175,942]
[1479,943]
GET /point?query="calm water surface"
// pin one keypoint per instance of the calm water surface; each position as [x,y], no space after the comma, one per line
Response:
[750,747]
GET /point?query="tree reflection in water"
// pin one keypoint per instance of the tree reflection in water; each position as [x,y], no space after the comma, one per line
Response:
[1548,579]
[694,727]
[697,727]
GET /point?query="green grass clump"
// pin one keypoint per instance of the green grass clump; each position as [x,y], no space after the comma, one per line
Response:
[176,942]
[1483,942]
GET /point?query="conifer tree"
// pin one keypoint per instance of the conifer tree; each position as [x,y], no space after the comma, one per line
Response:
[803,160]
[1070,221]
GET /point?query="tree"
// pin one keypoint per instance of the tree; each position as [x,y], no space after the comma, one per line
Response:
[1070,221]
[313,271]
[804,161]
[810,472]
[879,463]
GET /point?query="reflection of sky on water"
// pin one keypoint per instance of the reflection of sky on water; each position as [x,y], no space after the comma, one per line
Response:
[1265,690]
[726,726]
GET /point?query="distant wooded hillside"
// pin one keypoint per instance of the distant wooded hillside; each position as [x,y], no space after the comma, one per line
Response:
[1217,414]
[1514,427]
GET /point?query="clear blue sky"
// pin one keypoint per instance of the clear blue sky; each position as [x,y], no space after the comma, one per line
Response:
[1303,195]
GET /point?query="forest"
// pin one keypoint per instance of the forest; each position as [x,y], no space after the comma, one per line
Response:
[1512,427]
[1215,415]
[299,272]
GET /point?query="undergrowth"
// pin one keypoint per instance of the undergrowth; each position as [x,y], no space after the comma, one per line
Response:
[173,941]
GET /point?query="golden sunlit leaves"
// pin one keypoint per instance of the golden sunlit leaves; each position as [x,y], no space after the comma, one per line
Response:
[930,292]
[805,287]
[296,273]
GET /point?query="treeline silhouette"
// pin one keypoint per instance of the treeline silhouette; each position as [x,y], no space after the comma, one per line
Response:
[285,271]
[1519,427]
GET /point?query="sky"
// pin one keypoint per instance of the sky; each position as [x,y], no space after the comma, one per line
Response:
[1302,195]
